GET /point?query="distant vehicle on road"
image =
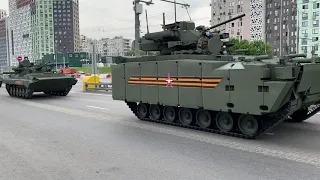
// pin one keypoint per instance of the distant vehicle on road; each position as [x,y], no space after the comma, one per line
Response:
[81,72]
[28,78]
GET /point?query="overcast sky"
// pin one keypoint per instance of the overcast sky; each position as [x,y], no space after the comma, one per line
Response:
[109,18]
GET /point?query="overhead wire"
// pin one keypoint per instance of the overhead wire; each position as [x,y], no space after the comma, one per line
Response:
[149,16]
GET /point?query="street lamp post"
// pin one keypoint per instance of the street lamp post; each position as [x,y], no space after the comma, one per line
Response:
[64,57]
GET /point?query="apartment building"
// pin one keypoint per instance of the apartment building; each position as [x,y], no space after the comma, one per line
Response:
[20,43]
[249,27]
[4,39]
[40,27]
[281,26]
[308,22]
[116,46]
[3,13]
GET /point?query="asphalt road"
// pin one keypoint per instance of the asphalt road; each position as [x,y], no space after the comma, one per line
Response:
[90,136]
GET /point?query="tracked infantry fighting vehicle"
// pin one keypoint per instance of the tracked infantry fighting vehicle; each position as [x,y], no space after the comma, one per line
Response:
[28,78]
[214,92]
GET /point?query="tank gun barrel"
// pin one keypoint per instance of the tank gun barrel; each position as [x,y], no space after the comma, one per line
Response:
[296,55]
[7,73]
[227,21]
[43,65]
[261,57]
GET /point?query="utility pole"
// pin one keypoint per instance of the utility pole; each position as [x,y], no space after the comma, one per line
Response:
[281,14]
[137,11]
[175,7]
[94,62]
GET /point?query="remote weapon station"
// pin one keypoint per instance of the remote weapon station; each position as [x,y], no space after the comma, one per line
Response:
[28,78]
[206,89]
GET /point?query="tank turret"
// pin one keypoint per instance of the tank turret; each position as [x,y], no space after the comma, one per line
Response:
[182,37]
[26,67]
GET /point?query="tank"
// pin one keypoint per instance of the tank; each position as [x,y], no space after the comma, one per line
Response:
[231,95]
[28,78]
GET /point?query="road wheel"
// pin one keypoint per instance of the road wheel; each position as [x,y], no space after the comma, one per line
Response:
[142,110]
[248,124]
[224,121]
[203,118]
[169,114]
[185,116]
[155,112]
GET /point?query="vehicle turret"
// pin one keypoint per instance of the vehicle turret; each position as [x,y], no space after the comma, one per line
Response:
[182,38]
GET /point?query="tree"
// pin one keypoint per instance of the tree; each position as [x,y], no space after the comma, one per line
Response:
[132,52]
[254,48]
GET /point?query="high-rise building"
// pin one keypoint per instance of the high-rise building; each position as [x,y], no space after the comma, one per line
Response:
[4,39]
[250,27]
[3,13]
[308,23]
[20,43]
[281,27]
[66,25]
[40,27]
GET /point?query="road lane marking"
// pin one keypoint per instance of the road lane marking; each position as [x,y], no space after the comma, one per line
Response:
[95,94]
[252,146]
[96,107]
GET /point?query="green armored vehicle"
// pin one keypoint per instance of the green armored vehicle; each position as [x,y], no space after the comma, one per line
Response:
[28,78]
[206,89]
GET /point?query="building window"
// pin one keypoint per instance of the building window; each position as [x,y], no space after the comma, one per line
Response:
[315,31]
[316,5]
[304,16]
[304,23]
[315,48]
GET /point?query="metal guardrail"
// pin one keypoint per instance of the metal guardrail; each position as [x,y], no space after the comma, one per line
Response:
[98,86]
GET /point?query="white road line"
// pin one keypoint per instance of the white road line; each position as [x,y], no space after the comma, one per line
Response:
[86,93]
[96,107]
[270,134]
[318,113]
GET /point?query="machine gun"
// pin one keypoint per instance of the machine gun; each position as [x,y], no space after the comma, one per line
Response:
[183,36]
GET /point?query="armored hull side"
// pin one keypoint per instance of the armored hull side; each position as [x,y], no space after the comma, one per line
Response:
[236,98]
[49,83]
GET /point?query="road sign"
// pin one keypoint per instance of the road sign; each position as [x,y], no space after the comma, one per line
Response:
[19,58]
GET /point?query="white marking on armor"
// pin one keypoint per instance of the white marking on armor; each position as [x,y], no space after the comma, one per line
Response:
[253,146]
